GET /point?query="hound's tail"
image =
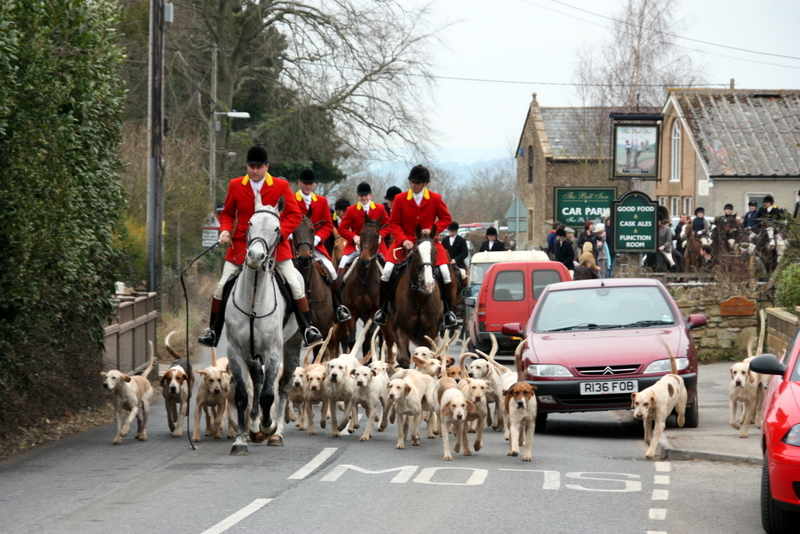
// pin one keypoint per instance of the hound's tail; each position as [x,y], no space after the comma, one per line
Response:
[673,364]
[170,349]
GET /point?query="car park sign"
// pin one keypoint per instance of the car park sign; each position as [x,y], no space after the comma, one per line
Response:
[635,224]
[573,206]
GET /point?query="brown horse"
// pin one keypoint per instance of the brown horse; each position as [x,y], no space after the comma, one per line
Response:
[361,293]
[691,252]
[417,302]
[320,299]
[458,298]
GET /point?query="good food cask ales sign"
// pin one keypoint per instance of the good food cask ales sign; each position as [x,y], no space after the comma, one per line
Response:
[635,223]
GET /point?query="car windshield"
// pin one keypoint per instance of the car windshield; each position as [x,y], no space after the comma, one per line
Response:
[603,308]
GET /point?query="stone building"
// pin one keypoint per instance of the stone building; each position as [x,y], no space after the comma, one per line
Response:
[560,147]
[724,146]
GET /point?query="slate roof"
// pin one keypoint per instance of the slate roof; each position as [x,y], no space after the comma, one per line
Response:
[568,131]
[744,132]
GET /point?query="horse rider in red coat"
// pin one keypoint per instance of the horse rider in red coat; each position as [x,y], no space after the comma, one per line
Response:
[317,209]
[418,206]
[234,224]
[353,221]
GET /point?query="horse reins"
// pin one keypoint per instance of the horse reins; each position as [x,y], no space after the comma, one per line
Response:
[269,267]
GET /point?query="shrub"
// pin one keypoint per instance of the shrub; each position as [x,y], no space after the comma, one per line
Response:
[787,294]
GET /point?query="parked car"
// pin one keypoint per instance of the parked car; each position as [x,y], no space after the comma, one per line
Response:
[589,344]
[780,475]
[507,293]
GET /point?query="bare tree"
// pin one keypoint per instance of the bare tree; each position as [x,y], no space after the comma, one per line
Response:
[354,70]
[639,62]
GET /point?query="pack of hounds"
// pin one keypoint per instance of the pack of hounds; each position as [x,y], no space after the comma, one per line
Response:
[452,399]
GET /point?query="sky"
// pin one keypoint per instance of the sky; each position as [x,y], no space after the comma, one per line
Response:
[536,42]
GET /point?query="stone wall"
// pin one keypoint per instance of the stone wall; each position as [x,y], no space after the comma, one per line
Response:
[723,337]
[781,326]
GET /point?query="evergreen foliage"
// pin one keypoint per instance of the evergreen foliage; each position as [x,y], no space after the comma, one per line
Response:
[61,103]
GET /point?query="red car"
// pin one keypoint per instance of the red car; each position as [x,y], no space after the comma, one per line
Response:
[780,476]
[589,344]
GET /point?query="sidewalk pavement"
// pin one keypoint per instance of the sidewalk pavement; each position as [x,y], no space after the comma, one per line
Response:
[714,439]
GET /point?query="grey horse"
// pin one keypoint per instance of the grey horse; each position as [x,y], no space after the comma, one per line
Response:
[256,332]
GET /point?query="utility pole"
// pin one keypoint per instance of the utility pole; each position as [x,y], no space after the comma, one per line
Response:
[155,143]
[212,134]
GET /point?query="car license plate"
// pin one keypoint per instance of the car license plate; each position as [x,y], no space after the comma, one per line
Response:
[609,387]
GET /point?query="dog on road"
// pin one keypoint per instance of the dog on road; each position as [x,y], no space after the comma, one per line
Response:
[132,393]
[654,404]
[176,386]
[520,412]
[212,397]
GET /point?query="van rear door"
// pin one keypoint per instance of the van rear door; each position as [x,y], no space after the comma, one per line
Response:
[508,297]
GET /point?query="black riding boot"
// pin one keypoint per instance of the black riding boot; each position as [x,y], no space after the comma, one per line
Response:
[447,297]
[380,315]
[310,333]
[211,335]
[342,313]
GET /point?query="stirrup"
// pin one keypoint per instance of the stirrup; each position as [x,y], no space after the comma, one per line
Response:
[208,338]
[342,314]
[450,319]
[312,335]
[380,318]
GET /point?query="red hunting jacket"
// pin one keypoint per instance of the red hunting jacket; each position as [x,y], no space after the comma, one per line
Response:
[320,212]
[353,220]
[431,214]
[240,204]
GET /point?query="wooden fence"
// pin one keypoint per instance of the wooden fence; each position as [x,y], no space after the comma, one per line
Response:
[130,327]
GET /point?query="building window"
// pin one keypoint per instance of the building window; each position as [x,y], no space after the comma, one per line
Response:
[662,201]
[687,205]
[676,153]
[674,204]
[530,164]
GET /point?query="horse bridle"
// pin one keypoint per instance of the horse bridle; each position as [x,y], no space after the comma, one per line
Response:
[252,240]
[418,285]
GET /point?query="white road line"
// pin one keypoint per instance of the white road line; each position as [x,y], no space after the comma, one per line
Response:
[228,522]
[313,464]
[655,532]
[663,467]
[661,479]
[658,514]
[660,495]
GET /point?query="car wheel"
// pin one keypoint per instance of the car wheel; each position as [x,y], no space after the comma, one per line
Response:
[541,422]
[775,520]
[692,416]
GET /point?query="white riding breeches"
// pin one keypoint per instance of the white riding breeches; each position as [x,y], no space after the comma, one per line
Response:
[346,259]
[328,264]
[389,267]
[286,267]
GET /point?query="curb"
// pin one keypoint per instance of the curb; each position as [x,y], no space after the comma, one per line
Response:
[667,452]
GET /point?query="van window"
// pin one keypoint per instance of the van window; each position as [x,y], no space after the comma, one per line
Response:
[509,286]
[541,279]
[478,272]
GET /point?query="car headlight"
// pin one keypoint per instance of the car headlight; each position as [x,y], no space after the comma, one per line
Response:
[663,366]
[793,436]
[548,370]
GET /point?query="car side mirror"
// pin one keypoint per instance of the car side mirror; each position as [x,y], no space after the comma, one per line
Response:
[512,329]
[696,320]
[767,364]
[470,301]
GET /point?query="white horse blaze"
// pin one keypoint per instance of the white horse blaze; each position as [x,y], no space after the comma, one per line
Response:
[427,271]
